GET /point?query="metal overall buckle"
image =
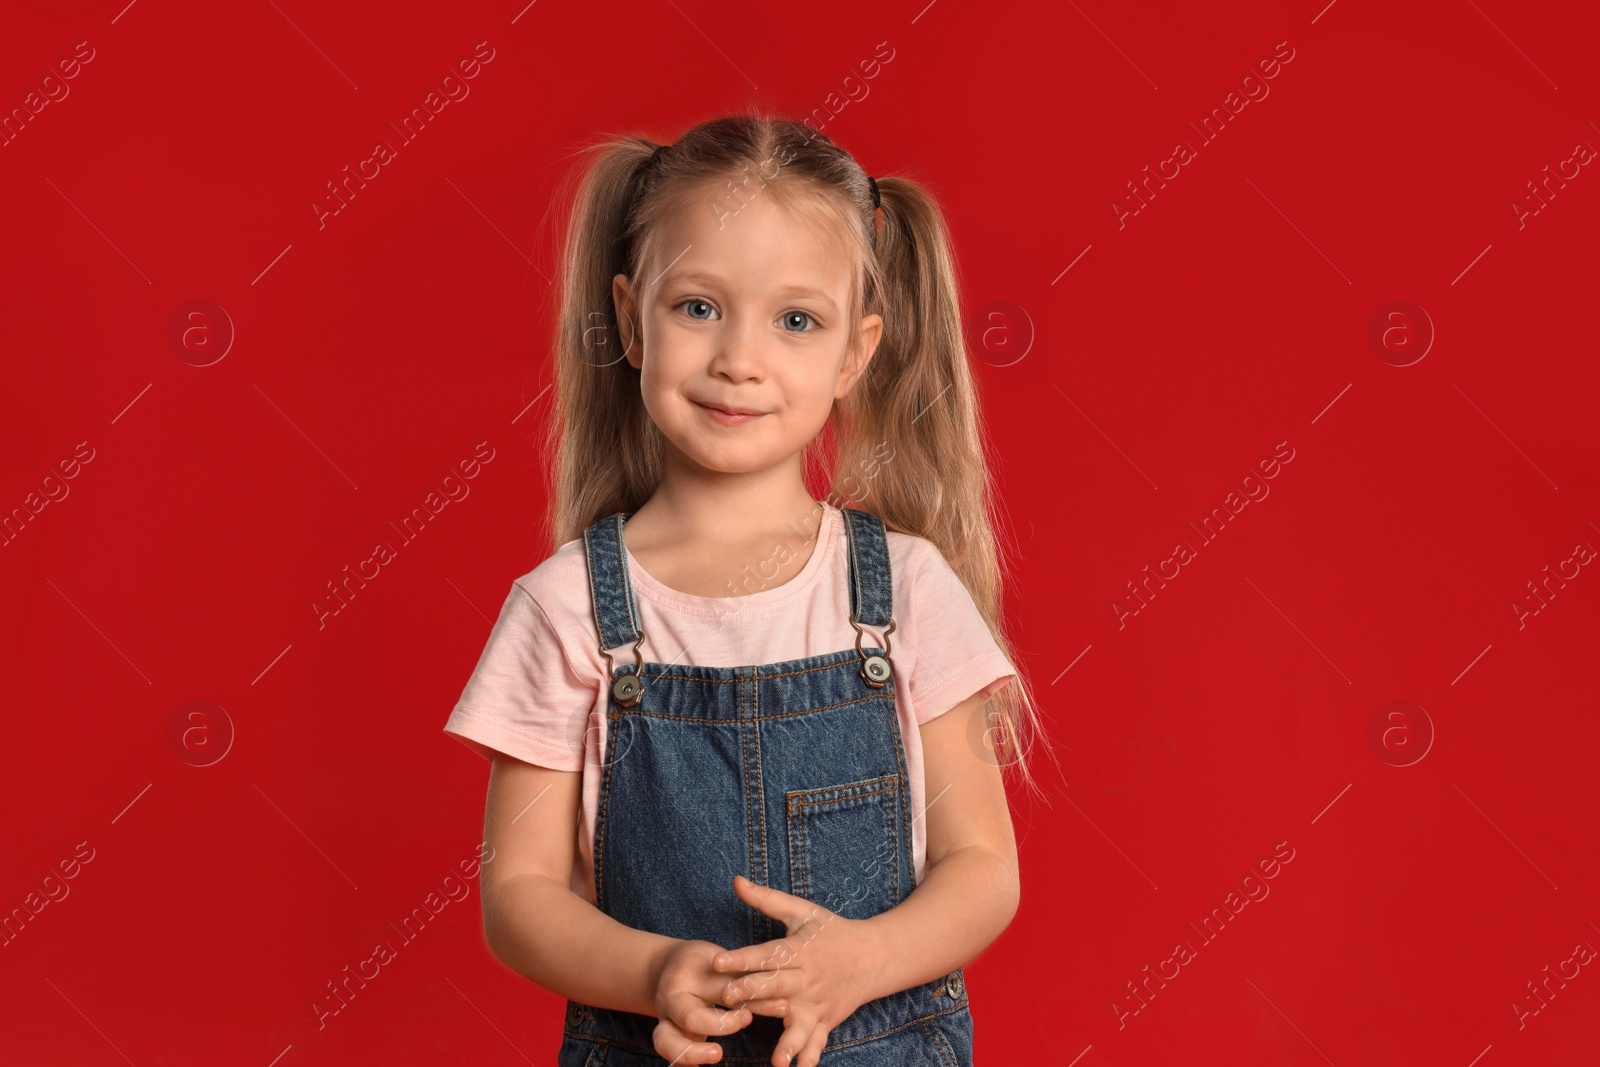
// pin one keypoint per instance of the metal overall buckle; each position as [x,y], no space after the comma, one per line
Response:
[874,669]
[629,688]
[952,986]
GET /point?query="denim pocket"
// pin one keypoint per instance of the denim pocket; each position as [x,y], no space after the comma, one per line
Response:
[844,846]
[953,1031]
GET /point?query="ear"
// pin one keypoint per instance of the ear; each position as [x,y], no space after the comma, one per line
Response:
[860,354]
[626,302]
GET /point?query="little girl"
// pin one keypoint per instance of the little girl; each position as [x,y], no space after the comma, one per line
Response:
[746,801]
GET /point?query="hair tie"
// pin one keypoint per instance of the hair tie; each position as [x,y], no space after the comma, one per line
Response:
[876,200]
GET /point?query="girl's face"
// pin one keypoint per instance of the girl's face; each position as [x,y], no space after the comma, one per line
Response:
[743,312]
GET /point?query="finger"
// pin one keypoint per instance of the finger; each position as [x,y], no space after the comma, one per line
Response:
[692,1015]
[812,1054]
[778,1007]
[766,956]
[678,1047]
[705,1018]
[785,907]
[762,985]
[798,1031]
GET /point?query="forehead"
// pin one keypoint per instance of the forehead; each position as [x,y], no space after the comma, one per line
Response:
[763,247]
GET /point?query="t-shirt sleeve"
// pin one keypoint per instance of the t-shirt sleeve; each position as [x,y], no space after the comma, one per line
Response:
[525,698]
[950,652]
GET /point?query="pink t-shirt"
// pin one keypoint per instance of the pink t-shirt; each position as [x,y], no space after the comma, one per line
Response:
[540,689]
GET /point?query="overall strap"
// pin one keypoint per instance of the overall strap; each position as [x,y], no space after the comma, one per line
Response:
[871,591]
[615,611]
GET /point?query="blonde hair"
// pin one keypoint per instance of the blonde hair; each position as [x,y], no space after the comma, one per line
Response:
[917,394]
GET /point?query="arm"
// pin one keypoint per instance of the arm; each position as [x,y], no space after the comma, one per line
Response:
[532,920]
[971,889]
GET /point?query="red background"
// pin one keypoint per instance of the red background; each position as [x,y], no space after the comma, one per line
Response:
[1227,316]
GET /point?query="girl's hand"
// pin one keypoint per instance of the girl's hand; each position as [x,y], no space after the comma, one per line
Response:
[809,976]
[688,990]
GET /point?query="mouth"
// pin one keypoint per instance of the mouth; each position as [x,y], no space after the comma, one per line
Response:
[726,415]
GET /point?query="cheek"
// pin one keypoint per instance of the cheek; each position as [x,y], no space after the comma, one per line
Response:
[817,389]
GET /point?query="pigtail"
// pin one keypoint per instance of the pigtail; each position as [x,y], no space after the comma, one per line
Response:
[598,412]
[915,422]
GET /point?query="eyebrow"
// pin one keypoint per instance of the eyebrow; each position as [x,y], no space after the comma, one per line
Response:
[785,293]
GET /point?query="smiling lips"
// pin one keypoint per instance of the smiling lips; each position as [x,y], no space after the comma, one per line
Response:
[727,416]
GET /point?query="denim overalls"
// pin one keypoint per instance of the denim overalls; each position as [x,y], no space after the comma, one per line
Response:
[792,774]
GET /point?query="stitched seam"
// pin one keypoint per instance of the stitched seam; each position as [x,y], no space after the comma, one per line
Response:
[941,1044]
[627,582]
[747,724]
[605,780]
[815,804]
[605,809]
[774,715]
[796,876]
[799,806]
[870,649]
[919,1020]
[951,677]
[895,1029]
[798,796]
[905,802]
[760,799]
[594,596]
[888,569]
[857,594]
[805,860]
[599,1046]
[509,726]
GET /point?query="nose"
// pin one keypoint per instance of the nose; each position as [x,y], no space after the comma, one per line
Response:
[739,353]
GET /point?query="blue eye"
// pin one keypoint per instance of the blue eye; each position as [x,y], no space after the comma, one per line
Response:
[796,318]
